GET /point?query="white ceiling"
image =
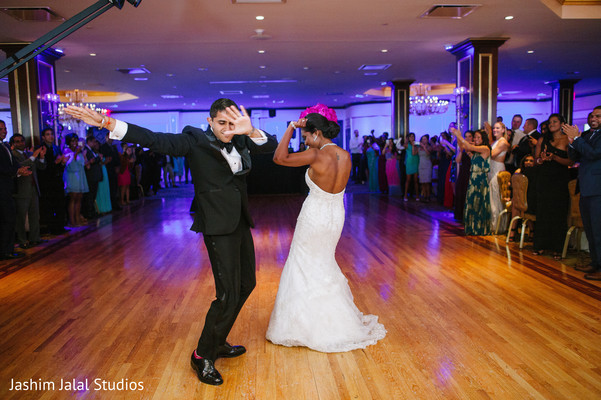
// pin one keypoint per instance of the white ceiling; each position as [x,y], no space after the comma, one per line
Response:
[187,44]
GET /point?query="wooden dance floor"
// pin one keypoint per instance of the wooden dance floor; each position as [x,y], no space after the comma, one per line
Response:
[120,304]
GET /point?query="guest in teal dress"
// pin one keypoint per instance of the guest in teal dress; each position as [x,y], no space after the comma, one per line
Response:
[103,196]
[74,176]
[411,166]
[476,215]
[372,153]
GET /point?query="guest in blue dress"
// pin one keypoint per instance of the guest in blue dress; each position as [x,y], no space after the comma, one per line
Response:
[74,176]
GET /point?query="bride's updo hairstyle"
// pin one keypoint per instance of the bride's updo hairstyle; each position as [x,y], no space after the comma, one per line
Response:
[317,122]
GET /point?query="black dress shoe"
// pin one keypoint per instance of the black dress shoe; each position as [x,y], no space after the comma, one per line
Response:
[229,351]
[25,246]
[205,370]
[586,268]
[11,256]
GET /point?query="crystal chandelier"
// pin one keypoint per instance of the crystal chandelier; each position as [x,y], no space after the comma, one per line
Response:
[76,98]
[422,104]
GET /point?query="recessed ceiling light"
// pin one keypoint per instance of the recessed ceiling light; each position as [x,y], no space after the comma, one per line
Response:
[384,51]
[530,51]
[260,18]
[67,70]
[262,66]
[203,69]
[140,79]
[261,51]
[170,75]
[93,54]
[448,46]
[59,51]
[509,17]
[305,68]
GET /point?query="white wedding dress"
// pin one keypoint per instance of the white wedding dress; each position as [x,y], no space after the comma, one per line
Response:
[496,206]
[314,306]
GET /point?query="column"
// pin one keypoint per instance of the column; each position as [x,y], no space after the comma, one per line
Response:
[477,72]
[28,86]
[400,107]
[562,100]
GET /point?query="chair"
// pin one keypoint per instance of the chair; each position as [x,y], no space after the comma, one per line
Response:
[519,202]
[504,179]
[574,218]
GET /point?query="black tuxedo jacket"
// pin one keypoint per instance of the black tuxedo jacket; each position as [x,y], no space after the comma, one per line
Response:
[221,195]
[524,148]
[8,172]
[587,151]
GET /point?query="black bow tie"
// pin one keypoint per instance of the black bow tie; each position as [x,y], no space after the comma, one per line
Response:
[228,146]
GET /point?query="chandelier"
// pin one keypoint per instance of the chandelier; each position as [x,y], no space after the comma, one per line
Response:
[56,110]
[422,104]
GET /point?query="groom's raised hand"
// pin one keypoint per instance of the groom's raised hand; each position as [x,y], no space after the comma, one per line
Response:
[240,120]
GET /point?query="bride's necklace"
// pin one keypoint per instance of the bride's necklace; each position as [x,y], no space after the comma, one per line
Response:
[327,144]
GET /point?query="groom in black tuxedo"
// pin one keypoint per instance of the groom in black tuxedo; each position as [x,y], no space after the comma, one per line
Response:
[219,162]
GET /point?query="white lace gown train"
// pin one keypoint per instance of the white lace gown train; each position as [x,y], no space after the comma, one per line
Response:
[314,306]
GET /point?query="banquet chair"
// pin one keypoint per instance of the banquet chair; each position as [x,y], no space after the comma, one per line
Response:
[519,201]
[504,180]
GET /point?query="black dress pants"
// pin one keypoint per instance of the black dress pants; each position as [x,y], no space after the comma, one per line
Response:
[8,218]
[233,262]
[590,210]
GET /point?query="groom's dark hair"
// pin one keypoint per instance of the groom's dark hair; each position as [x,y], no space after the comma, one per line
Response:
[220,105]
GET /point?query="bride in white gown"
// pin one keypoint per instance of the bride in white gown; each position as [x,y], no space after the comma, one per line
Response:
[314,306]
[499,149]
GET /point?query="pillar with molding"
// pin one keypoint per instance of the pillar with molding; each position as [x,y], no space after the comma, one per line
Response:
[28,85]
[477,72]
[400,107]
[562,100]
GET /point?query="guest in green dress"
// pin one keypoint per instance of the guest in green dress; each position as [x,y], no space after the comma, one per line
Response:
[372,153]
[411,166]
[476,215]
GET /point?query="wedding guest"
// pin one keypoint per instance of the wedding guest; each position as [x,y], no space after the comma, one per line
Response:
[103,195]
[476,216]
[411,166]
[390,152]
[463,160]
[425,167]
[401,170]
[52,188]
[27,192]
[372,154]
[125,173]
[178,169]
[499,149]
[553,198]
[93,169]
[112,162]
[445,156]
[356,149]
[382,177]
[74,176]
[586,149]
[9,170]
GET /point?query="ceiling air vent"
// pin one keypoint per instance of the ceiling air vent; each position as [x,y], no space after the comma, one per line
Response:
[36,14]
[449,11]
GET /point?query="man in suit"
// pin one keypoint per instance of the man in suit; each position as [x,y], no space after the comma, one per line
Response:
[9,170]
[52,192]
[27,192]
[528,142]
[219,162]
[586,149]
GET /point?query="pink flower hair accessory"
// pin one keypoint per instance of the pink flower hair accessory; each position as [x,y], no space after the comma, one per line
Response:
[322,109]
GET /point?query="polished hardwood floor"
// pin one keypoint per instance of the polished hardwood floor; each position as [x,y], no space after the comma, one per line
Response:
[119,305]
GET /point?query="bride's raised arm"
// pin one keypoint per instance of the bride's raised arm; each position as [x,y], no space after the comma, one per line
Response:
[283,157]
